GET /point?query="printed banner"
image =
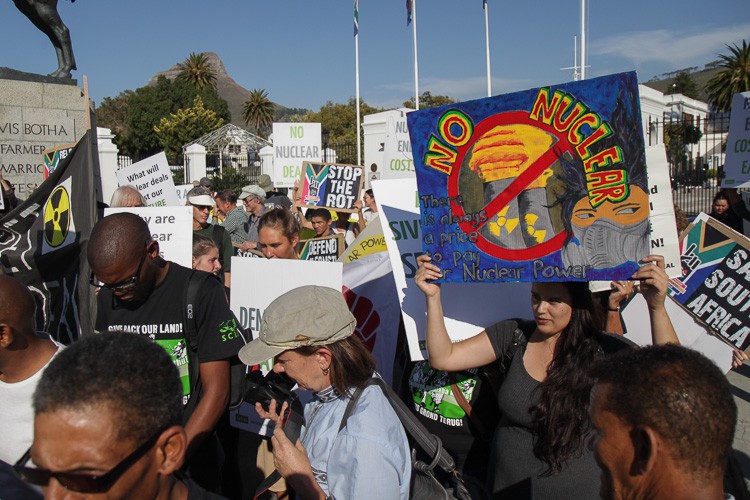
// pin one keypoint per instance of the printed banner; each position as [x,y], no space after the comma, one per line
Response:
[43,241]
[468,308]
[543,185]
[325,249]
[369,241]
[253,291]
[153,178]
[256,254]
[737,164]
[331,185]
[293,144]
[172,227]
[53,157]
[715,282]
[397,158]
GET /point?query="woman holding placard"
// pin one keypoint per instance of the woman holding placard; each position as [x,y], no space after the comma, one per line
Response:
[539,448]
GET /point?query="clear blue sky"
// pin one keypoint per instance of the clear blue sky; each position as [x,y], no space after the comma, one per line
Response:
[302,51]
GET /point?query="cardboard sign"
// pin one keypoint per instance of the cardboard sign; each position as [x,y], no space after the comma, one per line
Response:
[255,284]
[325,249]
[547,184]
[153,179]
[331,185]
[691,332]
[397,158]
[53,157]
[737,164]
[172,227]
[468,308]
[293,144]
[715,282]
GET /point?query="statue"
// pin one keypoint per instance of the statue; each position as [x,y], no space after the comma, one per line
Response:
[43,13]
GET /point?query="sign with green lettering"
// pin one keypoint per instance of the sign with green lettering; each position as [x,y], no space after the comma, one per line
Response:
[737,165]
[293,144]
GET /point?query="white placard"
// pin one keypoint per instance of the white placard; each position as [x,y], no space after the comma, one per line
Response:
[294,143]
[468,308]
[737,164]
[397,158]
[690,332]
[172,227]
[255,284]
[182,191]
[153,179]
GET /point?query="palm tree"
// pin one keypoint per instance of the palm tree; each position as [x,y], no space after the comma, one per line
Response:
[197,69]
[734,77]
[258,110]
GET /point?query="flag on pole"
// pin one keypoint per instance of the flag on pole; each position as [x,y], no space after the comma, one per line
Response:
[356,17]
[408,12]
[43,243]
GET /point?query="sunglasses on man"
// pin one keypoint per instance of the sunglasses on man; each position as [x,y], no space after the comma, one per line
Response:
[81,482]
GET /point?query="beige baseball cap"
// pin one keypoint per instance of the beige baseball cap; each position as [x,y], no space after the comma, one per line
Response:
[306,316]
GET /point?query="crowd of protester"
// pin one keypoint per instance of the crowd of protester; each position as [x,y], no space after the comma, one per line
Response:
[557,403]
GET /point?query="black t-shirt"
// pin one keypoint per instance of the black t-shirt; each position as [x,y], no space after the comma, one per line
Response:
[162,317]
[436,407]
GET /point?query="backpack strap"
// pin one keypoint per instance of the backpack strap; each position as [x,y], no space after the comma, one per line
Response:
[191,305]
[495,373]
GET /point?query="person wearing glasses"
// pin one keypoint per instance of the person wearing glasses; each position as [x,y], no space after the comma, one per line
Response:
[253,198]
[142,293]
[202,202]
[107,423]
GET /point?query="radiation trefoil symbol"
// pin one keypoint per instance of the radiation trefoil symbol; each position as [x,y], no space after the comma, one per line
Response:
[57,217]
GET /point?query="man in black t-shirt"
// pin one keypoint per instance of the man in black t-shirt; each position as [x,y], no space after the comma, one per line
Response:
[142,293]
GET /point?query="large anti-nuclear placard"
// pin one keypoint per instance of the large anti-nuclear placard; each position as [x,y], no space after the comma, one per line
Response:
[547,184]
[293,144]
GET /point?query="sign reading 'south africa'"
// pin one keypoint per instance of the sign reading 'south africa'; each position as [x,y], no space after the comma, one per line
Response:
[546,184]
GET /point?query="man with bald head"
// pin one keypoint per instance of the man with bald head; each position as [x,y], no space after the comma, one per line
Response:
[142,293]
[23,356]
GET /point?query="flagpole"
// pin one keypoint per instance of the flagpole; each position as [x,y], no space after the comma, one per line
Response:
[356,78]
[487,38]
[416,63]
[583,39]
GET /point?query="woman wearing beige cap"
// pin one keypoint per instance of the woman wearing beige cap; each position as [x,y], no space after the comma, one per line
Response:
[309,333]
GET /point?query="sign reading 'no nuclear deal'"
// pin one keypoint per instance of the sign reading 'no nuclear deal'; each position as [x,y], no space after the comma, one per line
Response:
[293,144]
[547,184]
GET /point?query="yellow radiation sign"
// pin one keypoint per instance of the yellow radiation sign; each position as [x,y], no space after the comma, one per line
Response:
[57,217]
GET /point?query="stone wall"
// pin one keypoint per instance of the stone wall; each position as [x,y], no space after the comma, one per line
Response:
[34,117]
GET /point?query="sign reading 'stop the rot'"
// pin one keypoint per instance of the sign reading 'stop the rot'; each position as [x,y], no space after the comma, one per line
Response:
[548,184]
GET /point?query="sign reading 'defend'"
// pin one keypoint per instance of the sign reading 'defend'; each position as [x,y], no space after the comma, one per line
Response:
[548,184]
[293,144]
[325,249]
[153,179]
[715,283]
[737,165]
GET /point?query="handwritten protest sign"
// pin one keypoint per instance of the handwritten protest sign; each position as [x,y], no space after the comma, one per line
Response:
[715,282]
[52,157]
[172,227]
[152,178]
[468,308]
[326,249]
[690,332]
[253,291]
[542,185]
[331,185]
[293,144]
[737,165]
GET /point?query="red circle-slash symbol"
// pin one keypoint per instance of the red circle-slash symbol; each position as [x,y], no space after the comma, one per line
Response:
[528,176]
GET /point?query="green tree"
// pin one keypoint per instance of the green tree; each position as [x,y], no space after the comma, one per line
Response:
[339,121]
[734,76]
[184,126]
[258,111]
[684,84]
[198,71]
[112,113]
[148,105]
[427,100]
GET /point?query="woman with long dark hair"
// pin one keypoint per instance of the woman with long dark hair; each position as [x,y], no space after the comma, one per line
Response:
[539,448]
